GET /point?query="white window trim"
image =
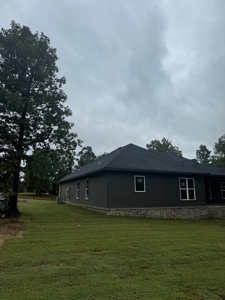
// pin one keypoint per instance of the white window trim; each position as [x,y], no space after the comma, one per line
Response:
[59,190]
[68,195]
[222,189]
[87,189]
[135,184]
[187,189]
[78,189]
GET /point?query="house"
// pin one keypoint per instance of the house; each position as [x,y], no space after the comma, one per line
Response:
[132,180]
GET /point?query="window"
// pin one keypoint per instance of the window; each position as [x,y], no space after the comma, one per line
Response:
[187,189]
[68,195]
[223,189]
[87,189]
[59,190]
[78,190]
[209,190]
[139,184]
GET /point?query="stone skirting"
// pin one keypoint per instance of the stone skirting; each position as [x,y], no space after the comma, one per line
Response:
[197,212]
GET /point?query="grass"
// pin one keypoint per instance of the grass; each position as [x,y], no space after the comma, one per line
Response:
[72,253]
[25,196]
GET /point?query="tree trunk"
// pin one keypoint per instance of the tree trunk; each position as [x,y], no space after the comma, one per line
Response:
[13,209]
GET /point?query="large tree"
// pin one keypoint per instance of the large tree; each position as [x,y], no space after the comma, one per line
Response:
[164,145]
[203,154]
[32,103]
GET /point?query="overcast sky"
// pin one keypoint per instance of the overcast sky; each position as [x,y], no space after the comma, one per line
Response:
[136,70]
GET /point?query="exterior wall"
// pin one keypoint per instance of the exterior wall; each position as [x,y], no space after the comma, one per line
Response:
[216,190]
[162,190]
[97,190]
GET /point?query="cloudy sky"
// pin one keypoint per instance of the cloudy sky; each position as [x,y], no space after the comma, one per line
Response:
[136,70]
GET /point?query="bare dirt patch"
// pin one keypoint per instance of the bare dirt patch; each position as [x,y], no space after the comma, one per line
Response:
[10,229]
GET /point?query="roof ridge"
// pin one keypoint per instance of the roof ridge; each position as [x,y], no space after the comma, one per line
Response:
[122,149]
[100,159]
[95,164]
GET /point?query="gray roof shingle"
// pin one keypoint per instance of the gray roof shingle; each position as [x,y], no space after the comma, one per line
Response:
[135,158]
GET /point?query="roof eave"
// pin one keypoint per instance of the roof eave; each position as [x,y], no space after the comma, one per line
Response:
[85,174]
[136,170]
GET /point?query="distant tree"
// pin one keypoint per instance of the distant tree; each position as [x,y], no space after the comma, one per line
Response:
[218,159]
[86,156]
[203,154]
[32,110]
[37,172]
[163,145]
[45,167]
[62,164]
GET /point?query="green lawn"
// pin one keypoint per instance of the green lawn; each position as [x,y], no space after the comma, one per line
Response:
[72,253]
[34,197]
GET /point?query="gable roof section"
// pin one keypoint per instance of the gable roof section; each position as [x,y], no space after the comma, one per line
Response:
[94,166]
[135,158]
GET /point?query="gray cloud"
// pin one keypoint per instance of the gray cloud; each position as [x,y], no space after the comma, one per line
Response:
[136,70]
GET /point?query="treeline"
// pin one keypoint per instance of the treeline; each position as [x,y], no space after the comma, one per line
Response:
[215,157]
[45,167]
[203,154]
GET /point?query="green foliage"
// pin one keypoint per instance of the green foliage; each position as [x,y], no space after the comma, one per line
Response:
[203,154]
[32,110]
[218,159]
[37,172]
[6,177]
[45,167]
[219,148]
[101,155]
[86,156]
[62,163]
[218,162]
[72,253]
[31,95]
[164,145]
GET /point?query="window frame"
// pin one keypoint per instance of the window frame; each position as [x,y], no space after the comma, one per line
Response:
[87,189]
[209,189]
[78,190]
[68,195]
[135,187]
[187,189]
[59,192]
[222,190]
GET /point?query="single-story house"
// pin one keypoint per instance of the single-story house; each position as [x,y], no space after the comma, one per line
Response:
[132,177]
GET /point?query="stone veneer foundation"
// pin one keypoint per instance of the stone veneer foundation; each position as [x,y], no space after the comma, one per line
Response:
[193,212]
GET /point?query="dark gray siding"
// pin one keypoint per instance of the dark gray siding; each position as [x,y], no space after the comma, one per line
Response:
[161,190]
[216,190]
[97,190]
